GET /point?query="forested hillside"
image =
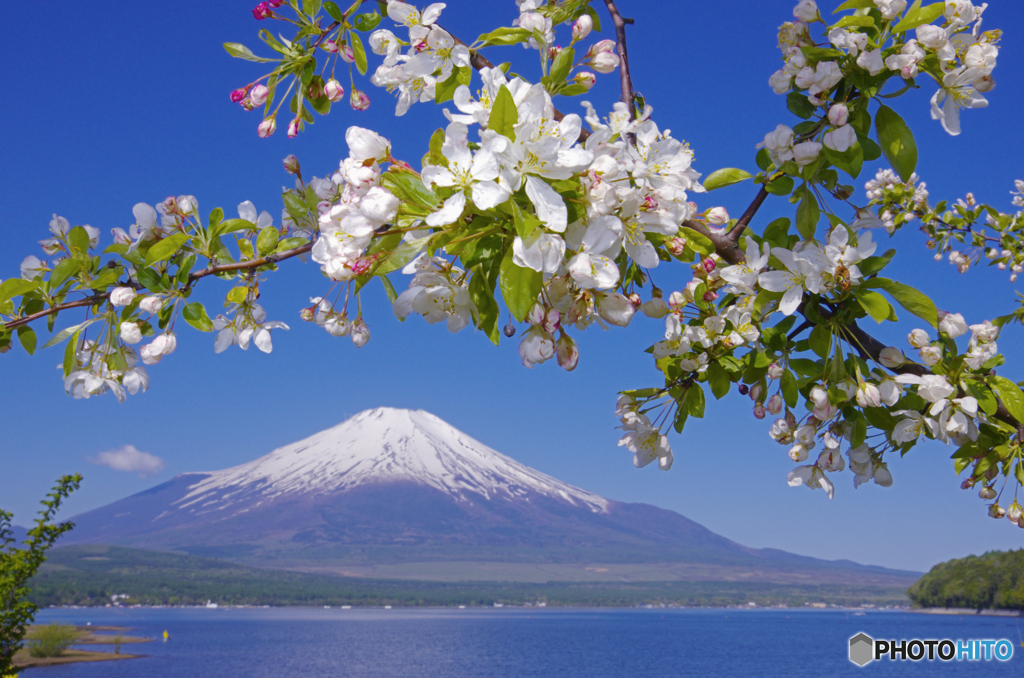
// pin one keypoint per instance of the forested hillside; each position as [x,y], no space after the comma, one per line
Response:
[993,581]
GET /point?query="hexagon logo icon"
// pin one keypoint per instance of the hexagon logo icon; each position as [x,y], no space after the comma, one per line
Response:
[862,649]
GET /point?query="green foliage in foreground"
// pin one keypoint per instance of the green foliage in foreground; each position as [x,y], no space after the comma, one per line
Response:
[994,581]
[90,575]
[51,640]
[18,563]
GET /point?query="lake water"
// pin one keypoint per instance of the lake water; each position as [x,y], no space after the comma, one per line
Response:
[519,643]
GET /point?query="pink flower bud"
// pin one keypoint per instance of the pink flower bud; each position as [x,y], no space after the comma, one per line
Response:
[238,94]
[122,296]
[552,321]
[346,54]
[838,115]
[603,46]
[259,94]
[775,404]
[275,3]
[308,314]
[717,216]
[329,45]
[554,51]
[358,100]
[582,27]
[708,264]
[755,392]
[775,371]
[759,411]
[360,332]
[293,128]
[291,165]
[676,246]
[314,91]
[604,62]
[586,78]
[261,11]
[567,352]
[266,128]
[635,300]
[710,296]
[334,91]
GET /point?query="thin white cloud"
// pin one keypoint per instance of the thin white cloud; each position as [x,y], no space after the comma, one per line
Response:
[127,458]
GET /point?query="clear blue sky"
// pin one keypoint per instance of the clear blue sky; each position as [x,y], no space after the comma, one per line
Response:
[105,108]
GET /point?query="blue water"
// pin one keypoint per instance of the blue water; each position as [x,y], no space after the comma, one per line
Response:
[520,643]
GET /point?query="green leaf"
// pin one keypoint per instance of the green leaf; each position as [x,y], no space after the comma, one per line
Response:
[855,4]
[871,150]
[873,265]
[237,295]
[693,401]
[389,289]
[166,248]
[859,433]
[850,161]
[359,52]
[820,340]
[16,287]
[266,241]
[78,238]
[70,357]
[504,114]
[573,90]
[232,225]
[846,21]
[799,106]
[725,177]
[333,11]
[790,390]
[874,304]
[909,298]
[781,186]
[405,253]
[290,244]
[27,337]
[562,65]
[505,36]
[243,52]
[68,331]
[807,215]
[1009,393]
[311,8]
[700,243]
[719,380]
[519,286]
[445,90]
[896,141]
[64,270]
[487,308]
[919,17]
[366,22]
[195,315]
[216,216]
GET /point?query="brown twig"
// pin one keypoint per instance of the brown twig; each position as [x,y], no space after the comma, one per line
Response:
[620,48]
[737,230]
[98,297]
[324,34]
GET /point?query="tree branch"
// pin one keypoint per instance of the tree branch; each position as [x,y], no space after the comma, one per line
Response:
[737,230]
[620,48]
[100,296]
[724,246]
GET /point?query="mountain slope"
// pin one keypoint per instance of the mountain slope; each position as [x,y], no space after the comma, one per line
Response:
[401,488]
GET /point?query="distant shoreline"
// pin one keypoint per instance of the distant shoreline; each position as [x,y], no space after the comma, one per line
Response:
[968,611]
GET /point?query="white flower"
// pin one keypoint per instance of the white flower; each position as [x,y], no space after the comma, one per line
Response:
[122,296]
[130,332]
[853,43]
[931,36]
[953,325]
[931,387]
[779,143]
[540,251]
[806,152]
[890,9]
[746,273]
[891,357]
[871,61]
[360,333]
[838,115]
[812,477]
[918,339]
[647,444]
[841,138]
[615,308]
[801,274]
[32,267]
[954,94]
[780,81]
[536,346]
[806,11]
[930,355]
[247,211]
[364,144]
[868,395]
[436,297]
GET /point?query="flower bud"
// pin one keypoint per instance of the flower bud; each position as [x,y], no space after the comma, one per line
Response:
[798,452]
[293,128]
[567,352]
[891,357]
[338,326]
[130,332]
[259,95]
[360,332]
[266,128]
[717,216]
[151,304]
[238,94]
[334,91]
[985,83]
[996,511]
[756,391]
[759,411]
[582,27]
[930,355]
[635,300]
[308,314]
[602,46]
[838,115]
[775,404]
[710,296]
[554,51]
[532,21]
[918,339]
[775,371]
[122,296]
[987,493]
[709,264]
[677,300]
[329,46]
[291,165]
[358,100]
[585,78]
[806,11]
[163,345]
[261,11]
[346,53]
[676,246]
[602,58]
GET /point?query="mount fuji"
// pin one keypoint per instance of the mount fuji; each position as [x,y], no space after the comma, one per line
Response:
[401,493]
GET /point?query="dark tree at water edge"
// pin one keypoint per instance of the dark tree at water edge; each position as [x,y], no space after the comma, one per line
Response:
[994,581]
[18,565]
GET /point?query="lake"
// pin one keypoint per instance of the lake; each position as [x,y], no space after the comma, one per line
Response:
[518,643]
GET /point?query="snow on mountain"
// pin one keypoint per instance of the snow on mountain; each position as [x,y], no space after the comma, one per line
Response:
[381,445]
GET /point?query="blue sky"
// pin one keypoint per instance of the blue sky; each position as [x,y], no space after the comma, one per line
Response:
[109,108]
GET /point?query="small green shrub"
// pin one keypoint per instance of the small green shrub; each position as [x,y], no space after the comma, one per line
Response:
[117,640]
[51,640]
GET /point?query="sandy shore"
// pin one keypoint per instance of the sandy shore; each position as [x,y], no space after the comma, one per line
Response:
[90,635]
[968,611]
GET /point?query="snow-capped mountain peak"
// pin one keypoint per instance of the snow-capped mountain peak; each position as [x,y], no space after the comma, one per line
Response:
[382,445]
